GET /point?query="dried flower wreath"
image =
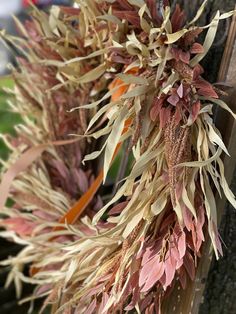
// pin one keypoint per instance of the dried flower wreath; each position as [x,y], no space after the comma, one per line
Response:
[119,71]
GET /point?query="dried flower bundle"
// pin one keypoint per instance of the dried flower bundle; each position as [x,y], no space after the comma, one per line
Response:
[127,71]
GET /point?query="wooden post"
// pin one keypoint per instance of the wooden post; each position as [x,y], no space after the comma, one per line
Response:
[188,301]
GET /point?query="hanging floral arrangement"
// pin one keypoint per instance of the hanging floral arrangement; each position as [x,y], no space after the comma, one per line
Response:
[97,81]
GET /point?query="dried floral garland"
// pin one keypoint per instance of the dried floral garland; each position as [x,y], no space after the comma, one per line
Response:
[130,71]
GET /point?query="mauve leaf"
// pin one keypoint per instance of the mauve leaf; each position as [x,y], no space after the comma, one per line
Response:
[175,53]
[179,263]
[118,208]
[201,215]
[44,215]
[182,245]
[61,168]
[19,225]
[144,273]
[169,271]
[122,4]
[151,4]
[163,280]
[151,251]
[189,265]
[167,221]
[177,19]
[103,303]
[156,107]
[145,303]
[154,275]
[208,93]
[197,71]
[172,253]
[154,112]
[40,290]
[188,218]
[182,277]
[82,180]
[135,299]
[173,99]
[180,90]
[205,88]
[175,253]
[195,110]
[201,83]
[164,116]
[184,56]
[131,16]
[197,48]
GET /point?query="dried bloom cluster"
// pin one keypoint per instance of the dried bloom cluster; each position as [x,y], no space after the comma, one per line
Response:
[133,69]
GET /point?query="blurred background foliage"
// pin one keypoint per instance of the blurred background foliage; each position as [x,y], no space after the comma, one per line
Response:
[8,119]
